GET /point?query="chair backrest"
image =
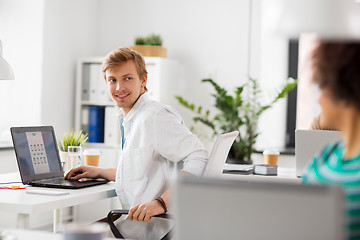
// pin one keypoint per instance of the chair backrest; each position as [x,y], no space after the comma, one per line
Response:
[219,153]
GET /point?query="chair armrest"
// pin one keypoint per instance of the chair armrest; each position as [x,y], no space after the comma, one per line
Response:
[119,213]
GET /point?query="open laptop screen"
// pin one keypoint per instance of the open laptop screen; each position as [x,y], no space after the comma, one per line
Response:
[36,152]
[310,143]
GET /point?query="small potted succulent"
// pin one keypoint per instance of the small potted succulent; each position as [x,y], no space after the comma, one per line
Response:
[70,138]
[149,46]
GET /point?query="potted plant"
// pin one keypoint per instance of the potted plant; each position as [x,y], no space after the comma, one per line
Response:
[70,138]
[239,111]
[150,46]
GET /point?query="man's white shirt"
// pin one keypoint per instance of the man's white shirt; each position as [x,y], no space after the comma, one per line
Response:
[155,135]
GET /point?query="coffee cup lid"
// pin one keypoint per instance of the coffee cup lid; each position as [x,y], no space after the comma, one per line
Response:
[91,152]
[271,152]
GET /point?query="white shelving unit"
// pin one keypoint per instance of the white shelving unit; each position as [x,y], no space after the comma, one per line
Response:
[161,72]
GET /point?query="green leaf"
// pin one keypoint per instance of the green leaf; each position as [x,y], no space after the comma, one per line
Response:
[139,41]
[221,91]
[185,103]
[285,89]
[153,39]
[72,138]
[262,109]
[205,121]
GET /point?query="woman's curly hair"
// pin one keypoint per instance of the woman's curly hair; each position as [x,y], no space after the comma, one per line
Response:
[336,67]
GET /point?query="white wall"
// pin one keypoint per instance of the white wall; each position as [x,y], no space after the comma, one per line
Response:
[273,73]
[207,38]
[42,40]
[8,161]
[70,32]
[21,24]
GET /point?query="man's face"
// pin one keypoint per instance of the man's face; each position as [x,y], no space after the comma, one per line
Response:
[124,85]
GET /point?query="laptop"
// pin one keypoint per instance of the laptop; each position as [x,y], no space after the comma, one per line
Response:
[38,159]
[308,143]
[214,208]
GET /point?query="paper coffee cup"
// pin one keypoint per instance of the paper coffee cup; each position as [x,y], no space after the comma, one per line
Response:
[271,157]
[91,157]
[82,231]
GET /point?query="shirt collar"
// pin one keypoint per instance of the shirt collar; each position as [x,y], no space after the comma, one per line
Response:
[137,106]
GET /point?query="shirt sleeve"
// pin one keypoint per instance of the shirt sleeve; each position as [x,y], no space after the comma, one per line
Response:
[176,143]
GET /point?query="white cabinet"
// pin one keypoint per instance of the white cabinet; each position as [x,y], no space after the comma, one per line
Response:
[95,113]
[93,106]
[161,72]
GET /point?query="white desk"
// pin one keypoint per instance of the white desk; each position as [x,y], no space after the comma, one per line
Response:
[23,204]
[286,170]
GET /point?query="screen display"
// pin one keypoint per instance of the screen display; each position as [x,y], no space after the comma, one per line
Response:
[36,152]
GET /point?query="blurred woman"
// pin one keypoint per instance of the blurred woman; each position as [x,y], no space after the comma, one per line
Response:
[336,69]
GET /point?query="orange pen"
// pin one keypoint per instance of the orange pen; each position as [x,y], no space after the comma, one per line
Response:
[12,187]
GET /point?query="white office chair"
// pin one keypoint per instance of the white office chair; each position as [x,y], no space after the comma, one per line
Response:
[219,153]
[214,167]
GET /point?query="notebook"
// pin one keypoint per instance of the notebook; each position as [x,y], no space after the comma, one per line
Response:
[308,143]
[209,208]
[38,159]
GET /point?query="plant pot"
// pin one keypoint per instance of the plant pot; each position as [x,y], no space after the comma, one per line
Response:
[149,50]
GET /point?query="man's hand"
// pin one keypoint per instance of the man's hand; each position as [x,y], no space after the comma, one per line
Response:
[84,172]
[143,212]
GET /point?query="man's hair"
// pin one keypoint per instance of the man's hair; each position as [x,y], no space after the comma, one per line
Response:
[336,67]
[123,55]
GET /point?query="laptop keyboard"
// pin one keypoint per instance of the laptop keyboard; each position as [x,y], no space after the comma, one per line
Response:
[58,181]
[66,183]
